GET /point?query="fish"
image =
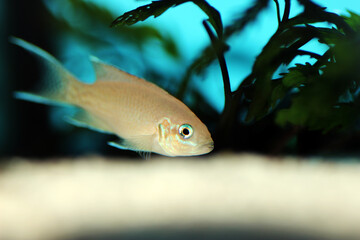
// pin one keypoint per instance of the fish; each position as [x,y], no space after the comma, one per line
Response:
[145,117]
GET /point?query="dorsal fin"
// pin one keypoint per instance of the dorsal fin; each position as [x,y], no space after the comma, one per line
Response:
[107,72]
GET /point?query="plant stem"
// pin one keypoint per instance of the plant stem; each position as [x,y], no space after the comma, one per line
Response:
[278,11]
[219,50]
[286,11]
[227,118]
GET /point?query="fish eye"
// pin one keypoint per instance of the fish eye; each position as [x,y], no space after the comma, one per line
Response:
[186,131]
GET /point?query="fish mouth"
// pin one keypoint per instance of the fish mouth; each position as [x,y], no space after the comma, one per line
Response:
[210,145]
[207,147]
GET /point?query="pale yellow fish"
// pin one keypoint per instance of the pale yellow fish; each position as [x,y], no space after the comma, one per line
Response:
[144,116]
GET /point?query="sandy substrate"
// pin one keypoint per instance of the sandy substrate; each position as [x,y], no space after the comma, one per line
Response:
[246,196]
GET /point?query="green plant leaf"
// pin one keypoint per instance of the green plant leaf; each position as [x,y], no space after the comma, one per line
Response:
[328,97]
[214,16]
[300,75]
[208,56]
[278,92]
[94,27]
[249,16]
[353,20]
[156,8]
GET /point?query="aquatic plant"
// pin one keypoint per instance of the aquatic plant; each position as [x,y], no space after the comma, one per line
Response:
[323,95]
[284,105]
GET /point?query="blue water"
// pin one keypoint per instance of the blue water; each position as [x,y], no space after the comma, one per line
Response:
[183,23]
[192,38]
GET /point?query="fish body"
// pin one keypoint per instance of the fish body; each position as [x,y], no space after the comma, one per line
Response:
[145,117]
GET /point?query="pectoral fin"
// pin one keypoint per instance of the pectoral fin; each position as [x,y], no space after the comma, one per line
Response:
[142,143]
[84,119]
[124,145]
[119,145]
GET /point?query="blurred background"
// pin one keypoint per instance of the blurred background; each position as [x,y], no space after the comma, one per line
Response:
[159,50]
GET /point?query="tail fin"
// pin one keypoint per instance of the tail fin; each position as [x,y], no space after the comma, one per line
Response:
[58,85]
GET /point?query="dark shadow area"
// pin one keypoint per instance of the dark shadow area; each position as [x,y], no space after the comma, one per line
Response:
[209,234]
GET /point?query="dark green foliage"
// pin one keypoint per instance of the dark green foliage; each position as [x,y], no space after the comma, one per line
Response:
[316,90]
[208,55]
[250,15]
[353,21]
[327,96]
[322,95]
[156,8]
[93,27]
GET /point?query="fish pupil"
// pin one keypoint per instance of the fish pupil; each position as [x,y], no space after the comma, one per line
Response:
[186,131]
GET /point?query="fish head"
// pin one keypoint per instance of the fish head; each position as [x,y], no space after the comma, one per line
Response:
[184,138]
